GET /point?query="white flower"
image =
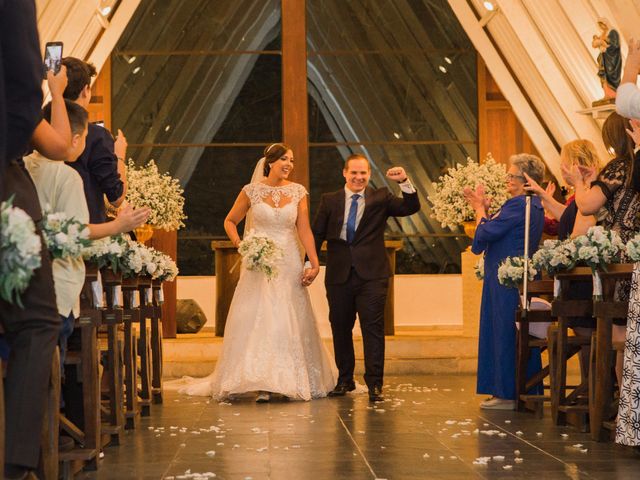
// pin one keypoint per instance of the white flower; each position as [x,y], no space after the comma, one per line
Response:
[260,253]
[511,271]
[449,206]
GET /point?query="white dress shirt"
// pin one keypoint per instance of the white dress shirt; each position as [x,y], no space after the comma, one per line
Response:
[628,100]
[406,187]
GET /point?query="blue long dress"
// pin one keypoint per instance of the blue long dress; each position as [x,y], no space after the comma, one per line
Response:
[499,237]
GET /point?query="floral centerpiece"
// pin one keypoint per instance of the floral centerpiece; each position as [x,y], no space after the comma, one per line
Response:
[633,248]
[20,248]
[449,206]
[107,252]
[260,253]
[162,193]
[166,268]
[511,272]
[65,237]
[597,249]
[138,260]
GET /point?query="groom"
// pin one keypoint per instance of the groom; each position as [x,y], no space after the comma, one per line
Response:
[352,221]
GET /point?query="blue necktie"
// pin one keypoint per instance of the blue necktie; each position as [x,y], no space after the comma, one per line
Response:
[351,219]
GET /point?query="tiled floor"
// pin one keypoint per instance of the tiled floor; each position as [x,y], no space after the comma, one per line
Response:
[430,428]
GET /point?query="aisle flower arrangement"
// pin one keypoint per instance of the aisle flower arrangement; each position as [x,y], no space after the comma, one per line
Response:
[162,193]
[20,248]
[598,248]
[260,253]
[107,252]
[511,272]
[448,204]
[65,236]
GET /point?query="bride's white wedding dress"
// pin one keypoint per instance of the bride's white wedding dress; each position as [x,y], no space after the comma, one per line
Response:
[271,341]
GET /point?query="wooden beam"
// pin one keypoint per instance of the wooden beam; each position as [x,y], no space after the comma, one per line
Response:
[295,115]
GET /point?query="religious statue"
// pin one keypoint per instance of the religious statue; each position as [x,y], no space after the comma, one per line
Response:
[609,60]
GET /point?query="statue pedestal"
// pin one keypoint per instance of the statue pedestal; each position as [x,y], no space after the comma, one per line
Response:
[226,256]
[471,294]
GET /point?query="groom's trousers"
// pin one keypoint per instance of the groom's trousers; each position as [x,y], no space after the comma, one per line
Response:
[367,299]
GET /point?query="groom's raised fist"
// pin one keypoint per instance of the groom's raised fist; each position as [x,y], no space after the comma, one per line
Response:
[397,174]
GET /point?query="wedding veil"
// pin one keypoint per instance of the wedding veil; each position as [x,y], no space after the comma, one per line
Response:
[258,176]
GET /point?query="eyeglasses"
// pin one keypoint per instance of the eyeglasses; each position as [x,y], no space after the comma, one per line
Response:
[511,176]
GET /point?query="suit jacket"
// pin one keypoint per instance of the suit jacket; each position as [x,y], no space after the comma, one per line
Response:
[367,252]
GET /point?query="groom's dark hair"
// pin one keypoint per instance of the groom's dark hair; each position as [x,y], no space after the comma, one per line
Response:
[356,156]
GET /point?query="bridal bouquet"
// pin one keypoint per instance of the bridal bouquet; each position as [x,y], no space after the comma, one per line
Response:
[511,272]
[449,206]
[260,253]
[599,247]
[65,237]
[162,193]
[107,252]
[20,248]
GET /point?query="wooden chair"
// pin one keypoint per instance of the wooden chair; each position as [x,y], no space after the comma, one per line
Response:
[110,342]
[525,343]
[145,312]
[602,406]
[156,342]
[571,406]
[131,315]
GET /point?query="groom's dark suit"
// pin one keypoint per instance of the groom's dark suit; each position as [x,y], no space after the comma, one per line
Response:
[357,275]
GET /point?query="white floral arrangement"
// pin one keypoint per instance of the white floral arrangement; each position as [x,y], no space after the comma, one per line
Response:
[162,193]
[65,237]
[166,270]
[260,253]
[633,248]
[449,206]
[138,260]
[20,248]
[598,248]
[554,256]
[107,252]
[478,269]
[511,272]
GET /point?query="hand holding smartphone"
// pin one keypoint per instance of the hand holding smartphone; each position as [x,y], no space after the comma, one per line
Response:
[52,57]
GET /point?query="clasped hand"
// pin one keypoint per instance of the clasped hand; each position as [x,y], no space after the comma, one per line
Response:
[309,275]
[476,198]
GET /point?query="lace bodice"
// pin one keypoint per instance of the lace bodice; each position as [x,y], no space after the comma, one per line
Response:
[274,210]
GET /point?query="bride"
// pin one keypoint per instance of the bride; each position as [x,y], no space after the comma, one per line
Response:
[271,342]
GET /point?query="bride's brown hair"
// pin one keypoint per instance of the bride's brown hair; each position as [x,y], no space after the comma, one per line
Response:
[272,154]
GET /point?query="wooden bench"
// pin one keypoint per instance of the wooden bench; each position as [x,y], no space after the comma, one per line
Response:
[156,342]
[131,315]
[525,343]
[601,392]
[571,406]
[146,312]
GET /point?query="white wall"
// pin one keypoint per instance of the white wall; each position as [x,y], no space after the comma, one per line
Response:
[420,300]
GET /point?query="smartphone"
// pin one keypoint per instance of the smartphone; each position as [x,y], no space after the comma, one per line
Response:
[52,57]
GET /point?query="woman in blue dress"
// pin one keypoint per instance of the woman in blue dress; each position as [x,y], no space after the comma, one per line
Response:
[500,236]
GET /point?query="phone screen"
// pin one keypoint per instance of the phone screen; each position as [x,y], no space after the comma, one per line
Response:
[53,57]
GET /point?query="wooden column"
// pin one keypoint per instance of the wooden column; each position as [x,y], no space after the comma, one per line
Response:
[167,242]
[100,106]
[295,116]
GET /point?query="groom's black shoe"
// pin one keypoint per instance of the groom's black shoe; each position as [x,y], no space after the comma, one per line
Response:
[342,389]
[375,394]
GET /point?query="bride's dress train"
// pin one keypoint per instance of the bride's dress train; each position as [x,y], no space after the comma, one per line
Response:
[271,341]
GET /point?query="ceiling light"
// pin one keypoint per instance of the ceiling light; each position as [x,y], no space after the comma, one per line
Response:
[105,11]
[397,135]
[131,60]
[442,69]
[167,128]
[136,70]
[489,6]
[448,60]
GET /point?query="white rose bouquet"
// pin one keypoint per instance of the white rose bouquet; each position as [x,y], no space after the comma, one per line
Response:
[511,272]
[65,237]
[599,247]
[554,256]
[260,253]
[20,248]
[107,252]
[138,259]
[162,193]
[166,270]
[449,206]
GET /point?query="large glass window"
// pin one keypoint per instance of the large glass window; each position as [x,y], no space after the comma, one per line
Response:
[396,81]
